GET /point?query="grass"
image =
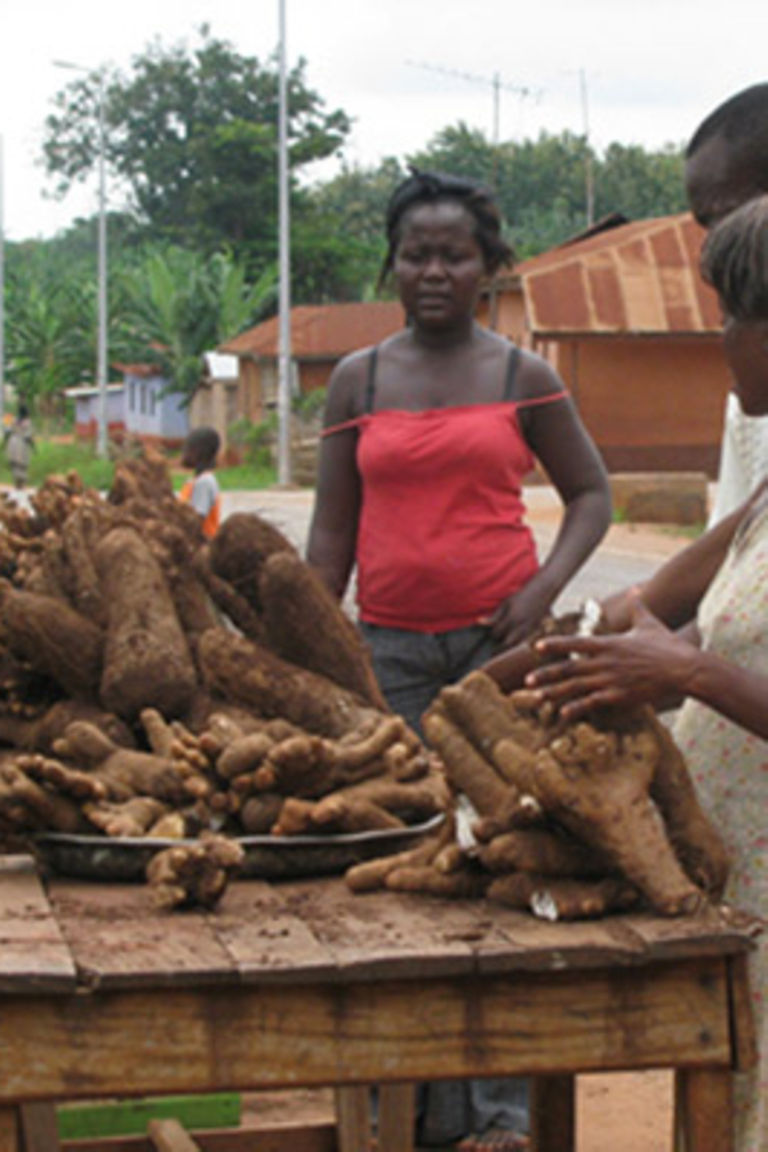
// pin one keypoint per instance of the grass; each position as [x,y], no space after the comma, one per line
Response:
[241,478]
[55,456]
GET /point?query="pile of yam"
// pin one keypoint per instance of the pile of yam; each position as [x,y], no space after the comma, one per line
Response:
[153,683]
[566,820]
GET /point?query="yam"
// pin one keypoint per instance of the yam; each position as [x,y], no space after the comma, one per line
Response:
[249,674]
[306,625]
[53,639]
[147,660]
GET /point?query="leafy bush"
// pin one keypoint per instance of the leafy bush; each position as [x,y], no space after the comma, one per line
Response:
[255,441]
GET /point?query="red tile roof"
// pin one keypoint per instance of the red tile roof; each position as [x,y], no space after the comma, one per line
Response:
[322,331]
[642,277]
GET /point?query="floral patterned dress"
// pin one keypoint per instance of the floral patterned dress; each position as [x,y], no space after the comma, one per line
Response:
[730,768]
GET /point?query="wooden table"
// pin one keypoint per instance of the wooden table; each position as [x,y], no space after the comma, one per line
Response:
[302,983]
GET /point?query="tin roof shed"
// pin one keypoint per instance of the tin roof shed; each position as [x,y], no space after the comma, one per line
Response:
[640,278]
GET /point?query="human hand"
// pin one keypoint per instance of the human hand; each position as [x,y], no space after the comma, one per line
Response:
[647,664]
[510,667]
[518,615]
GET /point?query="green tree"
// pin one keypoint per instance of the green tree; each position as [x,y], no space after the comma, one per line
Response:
[191,138]
[638,183]
[181,304]
[50,333]
[542,183]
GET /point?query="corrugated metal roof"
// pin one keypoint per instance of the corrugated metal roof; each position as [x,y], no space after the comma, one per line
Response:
[322,331]
[642,277]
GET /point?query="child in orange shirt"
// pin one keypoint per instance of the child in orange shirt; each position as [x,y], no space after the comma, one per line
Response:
[201,448]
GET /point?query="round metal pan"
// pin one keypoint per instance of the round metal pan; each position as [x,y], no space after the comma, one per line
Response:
[268,857]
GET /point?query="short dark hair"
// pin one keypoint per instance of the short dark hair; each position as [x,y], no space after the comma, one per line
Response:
[203,444]
[734,260]
[478,199]
[742,120]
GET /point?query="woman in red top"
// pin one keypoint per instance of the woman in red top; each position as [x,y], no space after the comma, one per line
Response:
[427,440]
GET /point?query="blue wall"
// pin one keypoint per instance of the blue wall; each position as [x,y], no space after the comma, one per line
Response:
[149,413]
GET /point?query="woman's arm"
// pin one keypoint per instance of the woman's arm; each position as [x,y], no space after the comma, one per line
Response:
[675,590]
[333,531]
[561,443]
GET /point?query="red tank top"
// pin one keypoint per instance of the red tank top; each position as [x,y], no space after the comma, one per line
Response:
[442,538]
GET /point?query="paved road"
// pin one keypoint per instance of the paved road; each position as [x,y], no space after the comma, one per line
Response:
[627,555]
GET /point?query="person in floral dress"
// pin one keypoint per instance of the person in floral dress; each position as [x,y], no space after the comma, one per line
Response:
[697,631]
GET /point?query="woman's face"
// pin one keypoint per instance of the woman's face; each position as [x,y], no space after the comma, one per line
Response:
[745,344]
[438,264]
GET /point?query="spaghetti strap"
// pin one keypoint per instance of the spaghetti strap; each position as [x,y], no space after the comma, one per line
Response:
[510,378]
[370,383]
[533,401]
[513,359]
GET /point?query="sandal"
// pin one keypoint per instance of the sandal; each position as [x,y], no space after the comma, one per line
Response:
[494,1140]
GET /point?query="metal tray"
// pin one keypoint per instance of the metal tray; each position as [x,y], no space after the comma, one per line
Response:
[269,857]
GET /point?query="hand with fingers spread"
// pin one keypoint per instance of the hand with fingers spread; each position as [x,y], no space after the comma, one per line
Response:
[647,664]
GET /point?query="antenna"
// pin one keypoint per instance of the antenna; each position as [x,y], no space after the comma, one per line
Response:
[495,82]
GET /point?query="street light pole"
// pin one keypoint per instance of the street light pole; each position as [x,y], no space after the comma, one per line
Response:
[2,286]
[101,368]
[101,354]
[284,259]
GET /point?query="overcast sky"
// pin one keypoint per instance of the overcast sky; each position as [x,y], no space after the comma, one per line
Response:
[403,69]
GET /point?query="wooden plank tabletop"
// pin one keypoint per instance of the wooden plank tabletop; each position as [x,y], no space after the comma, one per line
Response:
[33,952]
[93,935]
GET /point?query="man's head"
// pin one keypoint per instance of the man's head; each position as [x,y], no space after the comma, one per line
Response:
[727,157]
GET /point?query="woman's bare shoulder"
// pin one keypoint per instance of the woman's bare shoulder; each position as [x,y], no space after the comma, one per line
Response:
[536,377]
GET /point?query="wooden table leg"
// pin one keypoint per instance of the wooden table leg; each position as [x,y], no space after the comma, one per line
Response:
[704,1109]
[397,1117]
[553,1114]
[9,1130]
[39,1129]
[353,1118]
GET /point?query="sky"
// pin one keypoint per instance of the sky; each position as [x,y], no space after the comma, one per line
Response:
[637,73]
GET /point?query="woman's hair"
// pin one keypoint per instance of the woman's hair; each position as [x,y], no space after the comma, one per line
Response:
[428,187]
[734,260]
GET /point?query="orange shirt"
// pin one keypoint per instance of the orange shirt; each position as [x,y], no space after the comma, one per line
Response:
[202,492]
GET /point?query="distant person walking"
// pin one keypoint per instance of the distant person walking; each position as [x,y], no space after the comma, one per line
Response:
[19,442]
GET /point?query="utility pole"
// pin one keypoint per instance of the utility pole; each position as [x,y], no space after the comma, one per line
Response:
[588,170]
[102,446]
[284,259]
[2,286]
